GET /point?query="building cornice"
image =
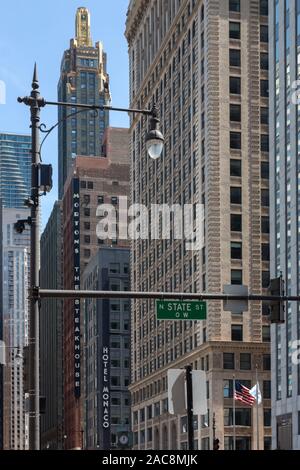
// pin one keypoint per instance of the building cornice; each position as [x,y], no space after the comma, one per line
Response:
[135,13]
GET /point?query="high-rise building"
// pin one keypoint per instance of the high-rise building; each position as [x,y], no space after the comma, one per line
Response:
[284,24]
[16,263]
[15,169]
[83,79]
[107,358]
[205,64]
[51,333]
[92,182]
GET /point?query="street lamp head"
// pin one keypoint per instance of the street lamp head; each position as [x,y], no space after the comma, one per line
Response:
[154,138]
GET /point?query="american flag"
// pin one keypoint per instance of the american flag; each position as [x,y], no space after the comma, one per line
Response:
[242,393]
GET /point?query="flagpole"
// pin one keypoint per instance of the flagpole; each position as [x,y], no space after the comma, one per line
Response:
[233,394]
[257,423]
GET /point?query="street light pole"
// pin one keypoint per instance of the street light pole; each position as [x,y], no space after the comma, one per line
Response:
[35,102]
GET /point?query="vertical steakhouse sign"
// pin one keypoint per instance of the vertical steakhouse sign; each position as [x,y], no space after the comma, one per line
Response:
[76,247]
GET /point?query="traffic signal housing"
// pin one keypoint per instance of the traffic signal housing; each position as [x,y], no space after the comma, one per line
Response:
[276,288]
[216,444]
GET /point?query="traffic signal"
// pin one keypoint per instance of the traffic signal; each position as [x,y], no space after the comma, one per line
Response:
[277,306]
[216,444]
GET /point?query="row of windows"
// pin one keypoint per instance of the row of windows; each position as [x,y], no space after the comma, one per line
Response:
[236,141]
[235,6]
[229,358]
[236,250]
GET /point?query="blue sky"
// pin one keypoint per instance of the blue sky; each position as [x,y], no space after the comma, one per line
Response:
[34,30]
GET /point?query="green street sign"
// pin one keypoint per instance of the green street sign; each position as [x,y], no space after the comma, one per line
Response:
[180,310]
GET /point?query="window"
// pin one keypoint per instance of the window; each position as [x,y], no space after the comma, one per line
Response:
[236,250]
[235,168]
[265,200]
[267,362]
[115,381]
[264,61]
[242,417]
[264,33]
[90,185]
[265,224]
[83,184]
[205,443]
[235,112]
[236,276]
[235,195]
[264,9]
[265,252]
[228,388]
[87,239]
[268,443]
[228,360]
[264,143]
[86,253]
[264,88]
[236,222]
[87,225]
[234,57]
[100,199]
[235,85]
[264,116]
[114,200]
[264,170]
[149,434]
[149,412]
[86,211]
[235,140]
[234,30]
[265,279]
[245,361]
[236,332]
[114,268]
[267,389]
[266,333]
[142,415]
[235,5]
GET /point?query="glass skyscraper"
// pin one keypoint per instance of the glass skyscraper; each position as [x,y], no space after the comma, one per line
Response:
[285,216]
[83,79]
[15,169]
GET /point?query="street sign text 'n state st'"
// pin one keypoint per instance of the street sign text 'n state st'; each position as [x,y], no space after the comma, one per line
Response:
[180,310]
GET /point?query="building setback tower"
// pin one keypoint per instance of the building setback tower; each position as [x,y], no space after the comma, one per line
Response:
[205,64]
[284,24]
[83,79]
[15,169]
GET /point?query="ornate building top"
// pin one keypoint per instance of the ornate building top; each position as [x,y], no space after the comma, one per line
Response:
[83,27]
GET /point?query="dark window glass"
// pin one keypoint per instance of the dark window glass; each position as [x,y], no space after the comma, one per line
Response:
[265,309]
[268,443]
[236,222]
[87,198]
[265,252]
[87,225]
[264,33]
[235,167]
[235,85]
[264,88]
[236,332]
[90,185]
[114,200]
[236,276]
[228,388]
[87,239]
[264,143]
[264,170]
[87,253]
[264,9]
[265,279]
[265,199]
[264,116]
[100,199]
[235,195]
[83,184]
[266,333]
[86,212]
[264,61]
[235,140]
[245,361]
[267,389]
[235,5]
[234,30]
[265,224]
[267,362]
[236,250]
[228,360]
[235,112]
[234,57]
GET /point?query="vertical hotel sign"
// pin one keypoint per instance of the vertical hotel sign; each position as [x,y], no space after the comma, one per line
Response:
[76,248]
